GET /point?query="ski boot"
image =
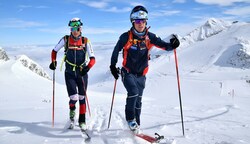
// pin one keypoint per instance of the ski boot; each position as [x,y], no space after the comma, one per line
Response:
[83,126]
[72,120]
[133,126]
[72,114]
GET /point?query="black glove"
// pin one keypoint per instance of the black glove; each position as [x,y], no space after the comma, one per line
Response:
[85,70]
[174,42]
[52,65]
[114,71]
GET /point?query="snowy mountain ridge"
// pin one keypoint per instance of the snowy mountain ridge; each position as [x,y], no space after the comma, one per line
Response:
[216,43]
[33,66]
[26,62]
[211,27]
[3,55]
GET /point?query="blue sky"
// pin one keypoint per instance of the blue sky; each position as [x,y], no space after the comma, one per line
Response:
[24,22]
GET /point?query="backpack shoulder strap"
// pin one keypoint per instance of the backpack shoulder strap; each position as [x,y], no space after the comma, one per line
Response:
[130,41]
[148,43]
[84,43]
[84,40]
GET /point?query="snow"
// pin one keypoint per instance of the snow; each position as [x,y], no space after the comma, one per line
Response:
[3,55]
[214,71]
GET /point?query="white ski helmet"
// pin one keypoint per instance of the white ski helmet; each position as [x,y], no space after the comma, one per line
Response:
[75,22]
[138,12]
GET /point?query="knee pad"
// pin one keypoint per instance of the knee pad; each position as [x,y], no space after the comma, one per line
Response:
[81,97]
[74,97]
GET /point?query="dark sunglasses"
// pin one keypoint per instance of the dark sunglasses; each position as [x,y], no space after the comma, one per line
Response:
[138,21]
[75,29]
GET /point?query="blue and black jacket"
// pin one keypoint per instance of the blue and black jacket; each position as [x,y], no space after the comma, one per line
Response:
[136,50]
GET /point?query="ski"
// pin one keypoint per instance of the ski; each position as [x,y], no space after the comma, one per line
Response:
[86,133]
[71,124]
[150,139]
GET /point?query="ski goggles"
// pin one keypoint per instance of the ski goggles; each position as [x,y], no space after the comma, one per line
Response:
[75,29]
[75,24]
[138,21]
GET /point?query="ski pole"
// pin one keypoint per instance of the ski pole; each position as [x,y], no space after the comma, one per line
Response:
[53,99]
[112,103]
[179,90]
[87,101]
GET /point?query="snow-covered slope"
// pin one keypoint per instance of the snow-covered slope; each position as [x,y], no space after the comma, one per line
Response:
[224,48]
[220,50]
[26,62]
[33,66]
[215,96]
[210,28]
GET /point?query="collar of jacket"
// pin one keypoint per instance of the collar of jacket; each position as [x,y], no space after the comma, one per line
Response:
[141,35]
[76,38]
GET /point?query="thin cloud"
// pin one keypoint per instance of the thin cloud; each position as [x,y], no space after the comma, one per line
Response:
[105,6]
[117,10]
[179,1]
[94,4]
[238,11]
[19,23]
[23,7]
[136,3]
[87,30]
[94,30]
[75,12]
[58,30]
[221,2]
[42,7]
[161,13]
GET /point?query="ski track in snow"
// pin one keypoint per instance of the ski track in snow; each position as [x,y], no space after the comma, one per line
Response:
[119,133]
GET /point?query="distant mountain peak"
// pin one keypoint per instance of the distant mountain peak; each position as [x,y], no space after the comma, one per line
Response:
[211,27]
[33,66]
[3,55]
[214,23]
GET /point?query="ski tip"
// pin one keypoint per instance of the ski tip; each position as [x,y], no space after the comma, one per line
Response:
[71,127]
[88,139]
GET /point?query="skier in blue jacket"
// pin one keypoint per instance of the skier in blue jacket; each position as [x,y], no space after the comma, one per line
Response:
[136,44]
